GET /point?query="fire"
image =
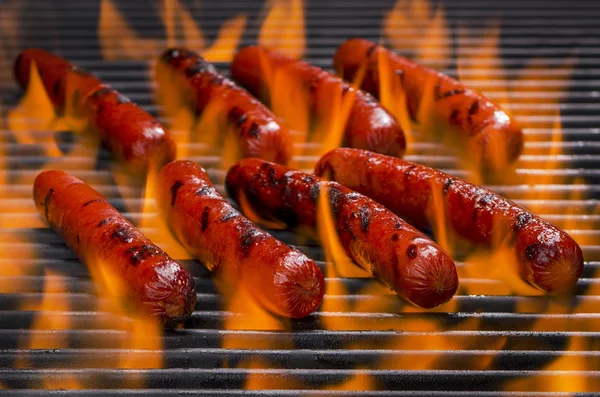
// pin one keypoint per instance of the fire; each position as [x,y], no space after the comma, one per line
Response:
[119,40]
[411,26]
[283,28]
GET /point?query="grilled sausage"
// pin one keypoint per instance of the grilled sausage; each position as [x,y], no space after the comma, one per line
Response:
[133,136]
[100,236]
[260,133]
[284,280]
[369,126]
[492,139]
[383,244]
[548,257]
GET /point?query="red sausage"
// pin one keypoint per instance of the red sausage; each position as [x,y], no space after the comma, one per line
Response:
[549,258]
[369,125]
[133,136]
[260,133]
[397,254]
[281,278]
[490,137]
[100,236]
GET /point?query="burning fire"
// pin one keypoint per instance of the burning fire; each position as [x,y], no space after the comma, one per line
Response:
[412,27]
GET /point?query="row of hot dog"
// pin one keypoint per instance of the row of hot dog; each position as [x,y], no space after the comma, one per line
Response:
[371,194]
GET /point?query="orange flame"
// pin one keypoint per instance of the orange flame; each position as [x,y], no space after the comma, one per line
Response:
[120,41]
[283,28]
[410,26]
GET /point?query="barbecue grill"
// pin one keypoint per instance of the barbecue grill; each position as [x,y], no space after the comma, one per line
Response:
[364,341]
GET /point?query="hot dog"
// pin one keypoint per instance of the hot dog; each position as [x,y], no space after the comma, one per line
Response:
[100,236]
[260,134]
[548,257]
[397,254]
[133,136]
[492,139]
[369,126]
[284,280]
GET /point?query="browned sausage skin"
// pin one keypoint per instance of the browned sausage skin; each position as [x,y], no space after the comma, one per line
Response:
[488,134]
[393,251]
[280,277]
[100,236]
[134,137]
[259,132]
[549,258]
[369,125]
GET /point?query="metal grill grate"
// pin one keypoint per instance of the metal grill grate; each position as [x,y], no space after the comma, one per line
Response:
[504,343]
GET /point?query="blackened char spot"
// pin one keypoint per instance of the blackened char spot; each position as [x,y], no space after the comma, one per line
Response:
[91,201]
[204,190]
[123,234]
[453,119]
[47,202]
[272,176]
[485,199]
[409,172]
[170,54]
[448,94]
[335,198]
[449,182]
[411,251]
[247,239]
[345,88]
[77,239]
[314,191]
[229,216]
[531,251]
[522,220]
[365,218]
[474,108]
[395,237]
[197,67]
[140,253]
[237,115]
[371,49]
[204,221]
[174,189]
[103,222]
[397,225]
[254,130]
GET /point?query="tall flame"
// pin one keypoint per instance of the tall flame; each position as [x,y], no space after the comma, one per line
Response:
[120,41]
[283,28]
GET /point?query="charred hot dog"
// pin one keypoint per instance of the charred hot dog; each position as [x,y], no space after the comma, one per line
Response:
[488,134]
[283,279]
[369,126]
[548,257]
[100,236]
[260,134]
[397,254]
[134,137]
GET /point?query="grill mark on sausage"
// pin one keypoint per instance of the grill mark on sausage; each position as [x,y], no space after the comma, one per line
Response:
[449,182]
[348,228]
[272,176]
[174,189]
[172,53]
[204,221]
[397,225]
[140,253]
[56,87]
[409,172]
[522,220]
[77,239]
[92,201]
[104,221]
[47,202]
[531,251]
[395,237]
[237,116]
[453,119]
[447,94]
[473,109]
[365,218]
[80,71]
[102,91]
[482,200]
[254,130]
[123,234]
[247,239]
[314,191]
[411,251]
[335,198]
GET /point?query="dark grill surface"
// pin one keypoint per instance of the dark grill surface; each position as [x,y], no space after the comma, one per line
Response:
[486,342]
